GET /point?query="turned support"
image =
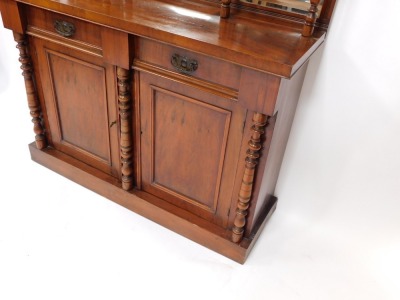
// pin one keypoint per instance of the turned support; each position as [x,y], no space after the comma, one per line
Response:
[311,18]
[33,100]
[225,8]
[125,114]
[251,161]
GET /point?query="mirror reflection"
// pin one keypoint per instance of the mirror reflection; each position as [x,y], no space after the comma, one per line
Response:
[294,6]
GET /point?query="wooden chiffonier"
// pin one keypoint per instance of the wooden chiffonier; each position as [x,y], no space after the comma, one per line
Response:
[178,110]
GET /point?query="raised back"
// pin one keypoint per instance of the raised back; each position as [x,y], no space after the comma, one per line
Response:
[314,14]
[311,18]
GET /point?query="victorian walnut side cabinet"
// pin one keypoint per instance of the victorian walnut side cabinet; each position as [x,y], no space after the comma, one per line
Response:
[178,110]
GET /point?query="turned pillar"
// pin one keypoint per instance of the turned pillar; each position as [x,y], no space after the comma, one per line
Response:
[125,115]
[311,18]
[225,8]
[33,100]
[246,187]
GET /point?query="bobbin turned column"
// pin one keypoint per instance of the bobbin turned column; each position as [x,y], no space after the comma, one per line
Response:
[125,114]
[251,161]
[225,8]
[311,18]
[33,101]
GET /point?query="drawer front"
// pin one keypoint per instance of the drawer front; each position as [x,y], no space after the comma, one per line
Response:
[63,26]
[189,63]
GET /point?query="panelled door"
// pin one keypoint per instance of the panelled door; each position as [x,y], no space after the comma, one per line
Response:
[190,142]
[79,95]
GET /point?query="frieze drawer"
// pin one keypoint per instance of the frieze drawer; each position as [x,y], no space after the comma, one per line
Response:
[189,63]
[50,25]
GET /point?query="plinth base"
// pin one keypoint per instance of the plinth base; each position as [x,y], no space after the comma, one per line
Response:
[151,207]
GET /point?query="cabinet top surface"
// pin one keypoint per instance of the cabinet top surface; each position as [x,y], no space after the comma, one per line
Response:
[257,41]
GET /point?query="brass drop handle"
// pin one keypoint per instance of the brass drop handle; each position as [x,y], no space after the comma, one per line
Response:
[183,64]
[64,28]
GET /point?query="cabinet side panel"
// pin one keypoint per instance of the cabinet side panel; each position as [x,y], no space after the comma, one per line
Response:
[284,113]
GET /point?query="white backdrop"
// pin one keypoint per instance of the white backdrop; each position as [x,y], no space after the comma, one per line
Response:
[335,234]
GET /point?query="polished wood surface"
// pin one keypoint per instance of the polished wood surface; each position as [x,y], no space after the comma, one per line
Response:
[126,138]
[225,8]
[187,157]
[285,11]
[165,107]
[260,42]
[246,187]
[151,207]
[326,13]
[76,97]
[12,17]
[208,69]
[45,20]
[33,101]
[276,137]
[311,18]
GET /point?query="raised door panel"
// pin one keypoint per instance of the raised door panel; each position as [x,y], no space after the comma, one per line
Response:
[79,96]
[200,130]
[190,146]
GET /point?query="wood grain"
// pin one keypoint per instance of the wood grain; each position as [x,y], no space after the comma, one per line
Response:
[246,188]
[77,89]
[126,137]
[257,41]
[33,101]
[190,140]
[165,107]
[311,19]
